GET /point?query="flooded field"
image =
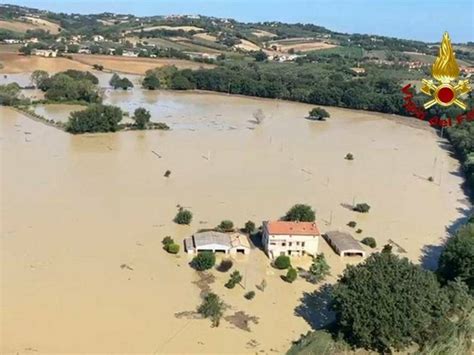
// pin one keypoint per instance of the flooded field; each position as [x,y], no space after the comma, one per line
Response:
[75,209]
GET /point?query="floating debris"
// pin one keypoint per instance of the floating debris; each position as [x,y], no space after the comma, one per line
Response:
[125,266]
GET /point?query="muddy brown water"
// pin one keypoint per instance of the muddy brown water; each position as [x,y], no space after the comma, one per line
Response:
[76,208]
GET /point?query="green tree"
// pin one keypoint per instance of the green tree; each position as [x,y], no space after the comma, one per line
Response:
[96,118]
[362,208]
[260,56]
[142,118]
[180,82]
[226,225]
[151,82]
[183,217]
[318,113]
[369,241]
[10,94]
[387,303]
[291,275]
[282,262]
[235,278]
[301,213]
[212,307]
[319,269]
[203,261]
[457,258]
[38,77]
[172,248]
[249,227]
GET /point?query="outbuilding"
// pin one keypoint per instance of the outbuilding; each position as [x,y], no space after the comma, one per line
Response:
[344,244]
[227,243]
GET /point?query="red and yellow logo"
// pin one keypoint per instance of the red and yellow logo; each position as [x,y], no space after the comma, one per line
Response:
[444,89]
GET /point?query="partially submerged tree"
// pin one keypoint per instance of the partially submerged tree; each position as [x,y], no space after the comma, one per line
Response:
[319,269]
[226,225]
[318,113]
[235,278]
[301,213]
[362,208]
[38,77]
[212,307]
[282,262]
[141,117]
[183,216]
[203,261]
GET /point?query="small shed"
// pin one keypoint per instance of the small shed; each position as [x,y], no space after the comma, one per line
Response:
[239,243]
[344,244]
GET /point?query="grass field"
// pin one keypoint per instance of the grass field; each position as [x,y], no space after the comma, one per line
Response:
[30,23]
[135,65]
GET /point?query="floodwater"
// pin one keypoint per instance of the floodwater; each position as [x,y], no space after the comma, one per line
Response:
[76,208]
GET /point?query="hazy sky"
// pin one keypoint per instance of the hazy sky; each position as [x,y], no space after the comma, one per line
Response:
[414,19]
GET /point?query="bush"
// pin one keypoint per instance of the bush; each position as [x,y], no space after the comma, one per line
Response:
[291,275]
[362,207]
[352,224]
[249,295]
[226,225]
[318,113]
[235,278]
[212,307]
[349,156]
[319,269]
[387,249]
[225,265]
[172,248]
[183,217]
[369,241]
[359,231]
[301,213]
[95,118]
[167,240]
[249,227]
[151,81]
[141,117]
[282,262]
[203,261]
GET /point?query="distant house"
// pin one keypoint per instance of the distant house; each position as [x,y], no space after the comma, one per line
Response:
[98,38]
[129,54]
[228,243]
[84,50]
[358,70]
[344,244]
[12,41]
[290,238]
[49,53]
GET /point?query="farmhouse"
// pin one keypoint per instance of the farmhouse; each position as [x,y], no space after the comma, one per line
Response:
[228,243]
[290,238]
[344,244]
[44,53]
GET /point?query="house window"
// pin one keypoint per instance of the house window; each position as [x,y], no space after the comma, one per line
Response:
[302,244]
[297,243]
[272,243]
[283,244]
[290,243]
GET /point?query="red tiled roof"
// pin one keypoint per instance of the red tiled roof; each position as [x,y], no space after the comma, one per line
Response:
[293,228]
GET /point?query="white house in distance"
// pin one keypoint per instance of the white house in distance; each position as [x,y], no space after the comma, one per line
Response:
[290,238]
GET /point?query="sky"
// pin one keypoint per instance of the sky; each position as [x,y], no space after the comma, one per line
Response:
[411,19]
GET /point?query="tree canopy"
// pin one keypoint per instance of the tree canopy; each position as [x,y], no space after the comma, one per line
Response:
[96,118]
[387,303]
[300,212]
[457,258]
